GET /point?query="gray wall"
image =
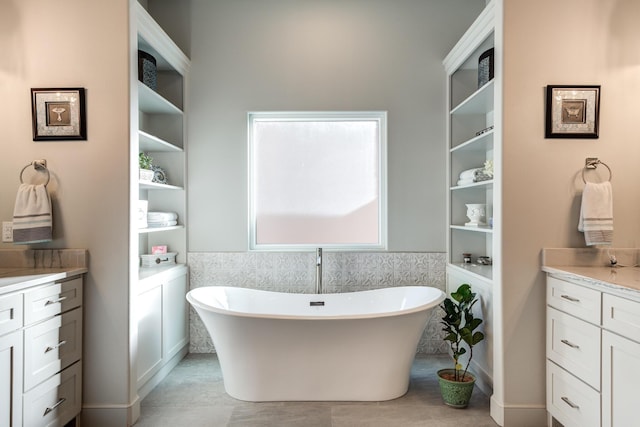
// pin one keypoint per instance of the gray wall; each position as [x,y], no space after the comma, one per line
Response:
[320,55]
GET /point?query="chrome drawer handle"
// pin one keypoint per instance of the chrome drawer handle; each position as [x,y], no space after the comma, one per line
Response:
[570,403]
[49,302]
[570,344]
[60,344]
[52,408]
[570,298]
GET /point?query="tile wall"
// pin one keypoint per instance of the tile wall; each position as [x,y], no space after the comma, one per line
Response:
[295,272]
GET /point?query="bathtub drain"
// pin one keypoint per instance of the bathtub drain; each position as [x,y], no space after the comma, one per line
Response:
[316,303]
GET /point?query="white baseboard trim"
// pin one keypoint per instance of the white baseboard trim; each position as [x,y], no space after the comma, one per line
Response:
[146,388]
[110,415]
[518,415]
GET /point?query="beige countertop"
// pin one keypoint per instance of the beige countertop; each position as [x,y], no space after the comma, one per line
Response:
[18,278]
[622,281]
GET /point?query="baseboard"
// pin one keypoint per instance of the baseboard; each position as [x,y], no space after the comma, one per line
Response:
[110,415]
[146,388]
[518,415]
[484,381]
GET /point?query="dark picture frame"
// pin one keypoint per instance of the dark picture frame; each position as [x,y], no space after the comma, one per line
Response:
[58,114]
[572,111]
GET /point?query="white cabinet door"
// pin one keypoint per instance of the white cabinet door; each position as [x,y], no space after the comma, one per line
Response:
[620,376]
[149,333]
[176,328]
[11,379]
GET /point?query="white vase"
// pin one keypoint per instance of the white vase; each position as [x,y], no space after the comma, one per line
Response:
[146,175]
[477,214]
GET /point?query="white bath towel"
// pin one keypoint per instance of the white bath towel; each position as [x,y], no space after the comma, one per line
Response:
[162,216]
[596,213]
[32,219]
[469,174]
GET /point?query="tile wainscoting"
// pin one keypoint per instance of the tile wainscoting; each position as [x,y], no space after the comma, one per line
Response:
[295,272]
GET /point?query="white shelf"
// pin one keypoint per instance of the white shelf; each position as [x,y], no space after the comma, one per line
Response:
[158,229]
[155,41]
[166,271]
[483,229]
[479,102]
[144,185]
[152,102]
[481,143]
[488,183]
[148,142]
[477,270]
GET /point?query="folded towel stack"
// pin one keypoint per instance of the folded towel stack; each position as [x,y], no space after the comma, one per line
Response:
[32,219]
[162,219]
[596,213]
[470,176]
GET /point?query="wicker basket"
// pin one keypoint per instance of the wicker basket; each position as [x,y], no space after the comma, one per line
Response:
[485,67]
[147,71]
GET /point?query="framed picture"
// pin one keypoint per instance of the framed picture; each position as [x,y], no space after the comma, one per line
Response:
[572,111]
[58,114]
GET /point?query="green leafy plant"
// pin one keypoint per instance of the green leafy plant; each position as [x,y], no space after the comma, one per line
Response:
[460,326]
[145,161]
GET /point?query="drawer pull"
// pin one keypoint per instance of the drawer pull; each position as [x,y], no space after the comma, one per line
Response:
[570,344]
[60,344]
[569,402]
[570,298]
[49,302]
[58,403]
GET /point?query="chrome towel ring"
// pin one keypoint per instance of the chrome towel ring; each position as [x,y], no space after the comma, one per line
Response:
[592,163]
[38,165]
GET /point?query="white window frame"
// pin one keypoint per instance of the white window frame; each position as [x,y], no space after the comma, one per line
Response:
[379,116]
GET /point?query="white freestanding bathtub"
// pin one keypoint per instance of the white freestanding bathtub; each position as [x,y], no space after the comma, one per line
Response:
[356,346]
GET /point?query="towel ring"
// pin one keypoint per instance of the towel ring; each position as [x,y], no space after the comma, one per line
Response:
[593,164]
[37,165]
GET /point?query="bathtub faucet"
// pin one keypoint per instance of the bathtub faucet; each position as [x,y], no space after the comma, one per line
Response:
[319,271]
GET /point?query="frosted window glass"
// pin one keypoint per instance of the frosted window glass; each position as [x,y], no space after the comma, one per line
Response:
[317,180]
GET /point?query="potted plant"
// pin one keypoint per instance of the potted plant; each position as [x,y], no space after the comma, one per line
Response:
[460,324]
[145,164]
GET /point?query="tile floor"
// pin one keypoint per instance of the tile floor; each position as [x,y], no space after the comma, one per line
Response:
[193,395]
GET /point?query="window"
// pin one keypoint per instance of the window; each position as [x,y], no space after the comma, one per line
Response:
[317,180]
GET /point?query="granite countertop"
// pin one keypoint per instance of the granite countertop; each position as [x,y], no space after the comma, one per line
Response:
[14,279]
[592,270]
[21,269]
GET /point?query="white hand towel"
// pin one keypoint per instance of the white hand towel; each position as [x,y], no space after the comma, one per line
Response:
[469,174]
[596,213]
[32,220]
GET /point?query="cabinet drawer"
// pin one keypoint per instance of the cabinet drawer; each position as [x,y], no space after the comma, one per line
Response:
[621,316]
[576,300]
[574,345]
[49,300]
[571,401]
[51,346]
[56,401]
[10,313]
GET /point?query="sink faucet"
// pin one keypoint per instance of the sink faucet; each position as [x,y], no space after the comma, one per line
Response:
[319,271]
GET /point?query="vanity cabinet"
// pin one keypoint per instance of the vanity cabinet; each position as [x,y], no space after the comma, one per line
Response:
[593,349]
[158,120]
[40,354]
